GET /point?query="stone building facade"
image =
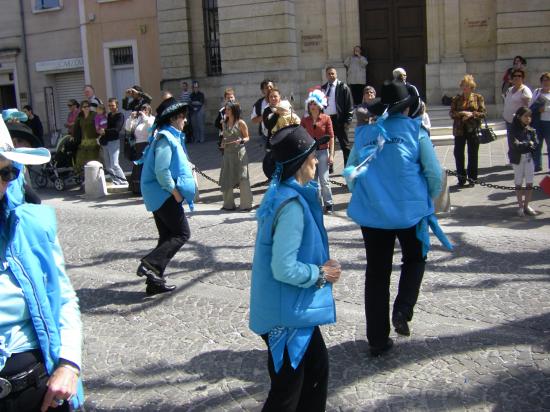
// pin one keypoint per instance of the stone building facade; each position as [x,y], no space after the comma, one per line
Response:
[240,42]
[50,48]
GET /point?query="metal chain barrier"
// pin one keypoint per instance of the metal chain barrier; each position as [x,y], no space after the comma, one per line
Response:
[485,184]
[334,182]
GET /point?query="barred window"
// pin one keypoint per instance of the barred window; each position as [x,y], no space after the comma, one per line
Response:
[212,37]
[121,56]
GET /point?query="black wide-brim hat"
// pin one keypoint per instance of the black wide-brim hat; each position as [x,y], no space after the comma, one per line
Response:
[395,98]
[169,108]
[290,147]
[23,132]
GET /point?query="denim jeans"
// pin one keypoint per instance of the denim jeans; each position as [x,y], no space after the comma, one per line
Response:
[379,246]
[110,155]
[322,175]
[197,124]
[543,135]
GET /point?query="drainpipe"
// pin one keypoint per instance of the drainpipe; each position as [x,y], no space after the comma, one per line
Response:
[84,40]
[25,54]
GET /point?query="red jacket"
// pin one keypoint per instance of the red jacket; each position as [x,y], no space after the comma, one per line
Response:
[322,127]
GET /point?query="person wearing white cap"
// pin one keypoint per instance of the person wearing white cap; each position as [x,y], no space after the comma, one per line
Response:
[40,326]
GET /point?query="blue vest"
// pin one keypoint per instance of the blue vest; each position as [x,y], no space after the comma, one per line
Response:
[30,258]
[153,194]
[393,192]
[274,303]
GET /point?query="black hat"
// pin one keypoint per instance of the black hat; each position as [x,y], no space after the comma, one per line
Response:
[290,147]
[167,109]
[394,99]
[23,132]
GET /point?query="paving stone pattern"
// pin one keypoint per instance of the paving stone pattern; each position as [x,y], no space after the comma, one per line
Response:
[480,336]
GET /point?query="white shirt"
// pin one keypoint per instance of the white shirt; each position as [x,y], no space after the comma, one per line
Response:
[140,125]
[265,103]
[544,116]
[331,98]
[513,101]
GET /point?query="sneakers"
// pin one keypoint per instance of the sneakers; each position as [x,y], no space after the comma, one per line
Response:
[521,213]
[529,211]
[400,324]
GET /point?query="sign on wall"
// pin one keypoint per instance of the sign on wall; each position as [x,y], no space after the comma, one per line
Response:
[312,42]
[62,64]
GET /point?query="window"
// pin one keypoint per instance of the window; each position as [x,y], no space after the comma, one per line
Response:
[122,56]
[212,37]
[41,5]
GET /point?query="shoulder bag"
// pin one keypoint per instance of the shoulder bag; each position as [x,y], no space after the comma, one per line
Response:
[485,134]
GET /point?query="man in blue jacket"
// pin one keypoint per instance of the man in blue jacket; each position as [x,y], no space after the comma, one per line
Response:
[393,174]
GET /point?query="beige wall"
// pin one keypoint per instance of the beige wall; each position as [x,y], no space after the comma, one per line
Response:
[124,21]
[51,35]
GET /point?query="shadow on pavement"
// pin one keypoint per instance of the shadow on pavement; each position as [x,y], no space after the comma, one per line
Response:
[509,387]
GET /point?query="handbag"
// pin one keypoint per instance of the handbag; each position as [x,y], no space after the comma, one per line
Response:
[545,185]
[485,134]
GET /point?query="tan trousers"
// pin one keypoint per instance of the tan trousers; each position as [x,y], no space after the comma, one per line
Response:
[245,195]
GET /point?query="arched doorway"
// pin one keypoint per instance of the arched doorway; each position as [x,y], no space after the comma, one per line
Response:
[393,33]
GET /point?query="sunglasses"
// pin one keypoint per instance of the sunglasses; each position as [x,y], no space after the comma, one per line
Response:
[9,173]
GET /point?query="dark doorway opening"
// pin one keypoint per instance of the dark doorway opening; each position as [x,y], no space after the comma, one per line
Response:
[393,33]
[7,97]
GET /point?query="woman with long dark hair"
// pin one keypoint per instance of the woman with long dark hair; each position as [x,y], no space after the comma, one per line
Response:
[234,169]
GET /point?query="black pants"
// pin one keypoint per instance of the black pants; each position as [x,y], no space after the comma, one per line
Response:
[379,246]
[472,142]
[30,399]
[303,388]
[173,231]
[357,93]
[341,132]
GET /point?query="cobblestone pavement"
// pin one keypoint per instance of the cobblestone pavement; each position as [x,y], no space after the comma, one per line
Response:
[481,331]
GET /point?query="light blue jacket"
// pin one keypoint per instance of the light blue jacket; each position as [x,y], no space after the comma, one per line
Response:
[154,194]
[396,190]
[283,293]
[35,259]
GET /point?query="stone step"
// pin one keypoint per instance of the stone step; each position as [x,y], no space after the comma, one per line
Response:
[448,139]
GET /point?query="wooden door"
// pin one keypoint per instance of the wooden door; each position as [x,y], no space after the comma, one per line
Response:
[393,34]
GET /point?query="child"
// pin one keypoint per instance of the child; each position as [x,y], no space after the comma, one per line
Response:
[522,142]
[100,119]
[286,116]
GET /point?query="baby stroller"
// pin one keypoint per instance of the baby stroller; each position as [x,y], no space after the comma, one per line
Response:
[60,169]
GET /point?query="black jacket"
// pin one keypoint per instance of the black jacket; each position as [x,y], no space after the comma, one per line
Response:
[344,101]
[521,140]
[115,122]
[134,104]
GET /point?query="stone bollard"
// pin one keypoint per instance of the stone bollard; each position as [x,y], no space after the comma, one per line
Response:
[442,203]
[94,180]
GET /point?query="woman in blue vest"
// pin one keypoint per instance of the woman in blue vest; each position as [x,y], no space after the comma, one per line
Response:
[40,327]
[393,174]
[166,180]
[292,275]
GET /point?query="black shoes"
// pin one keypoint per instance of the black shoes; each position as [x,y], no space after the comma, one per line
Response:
[156,288]
[329,209]
[151,274]
[380,350]
[155,283]
[400,324]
